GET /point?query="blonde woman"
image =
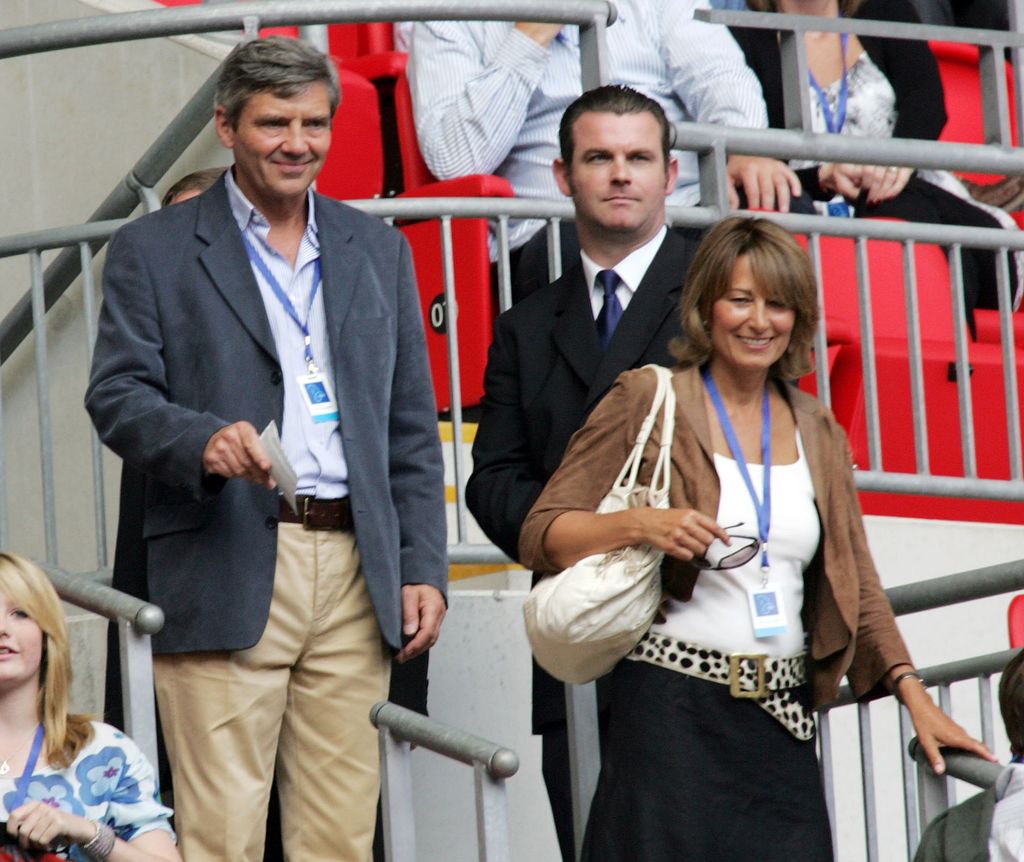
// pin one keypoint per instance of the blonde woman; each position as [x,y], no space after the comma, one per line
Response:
[68,785]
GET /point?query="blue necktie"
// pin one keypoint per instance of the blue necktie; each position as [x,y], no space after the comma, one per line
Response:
[611,312]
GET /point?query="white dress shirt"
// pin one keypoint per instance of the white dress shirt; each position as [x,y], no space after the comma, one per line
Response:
[488,99]
[314,449]
[630,270]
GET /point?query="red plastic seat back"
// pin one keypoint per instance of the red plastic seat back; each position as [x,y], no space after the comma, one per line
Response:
[414,169]
[357,40]
[961,81]
[354,168]
[1015,621]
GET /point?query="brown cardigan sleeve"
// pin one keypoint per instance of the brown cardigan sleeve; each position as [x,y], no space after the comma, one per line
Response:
[878,645]
[591,463]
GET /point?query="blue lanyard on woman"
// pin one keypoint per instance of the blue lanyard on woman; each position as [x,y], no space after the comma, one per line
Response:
[21,785]
[762,507]
[834,122]
[286,303]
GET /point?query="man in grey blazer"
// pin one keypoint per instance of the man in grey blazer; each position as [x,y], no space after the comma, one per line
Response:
[558,351]
[261,301]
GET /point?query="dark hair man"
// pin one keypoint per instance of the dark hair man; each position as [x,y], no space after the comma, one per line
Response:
[557,352]
[261,301]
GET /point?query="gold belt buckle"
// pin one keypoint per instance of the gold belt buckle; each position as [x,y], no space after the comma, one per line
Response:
[736,669]
[305,515]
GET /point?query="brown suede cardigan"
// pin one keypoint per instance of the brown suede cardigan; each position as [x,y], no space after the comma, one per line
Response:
[850,622]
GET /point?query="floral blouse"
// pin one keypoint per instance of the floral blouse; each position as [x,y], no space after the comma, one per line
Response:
[110,781]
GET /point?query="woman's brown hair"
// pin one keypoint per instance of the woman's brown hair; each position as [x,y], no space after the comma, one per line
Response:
[779,266]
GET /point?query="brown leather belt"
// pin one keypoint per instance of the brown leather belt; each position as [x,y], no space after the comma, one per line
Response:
[317,514]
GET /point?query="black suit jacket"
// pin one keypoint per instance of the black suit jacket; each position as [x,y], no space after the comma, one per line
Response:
[545,373]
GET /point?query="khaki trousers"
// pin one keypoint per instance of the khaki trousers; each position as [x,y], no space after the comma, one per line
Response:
[299,700]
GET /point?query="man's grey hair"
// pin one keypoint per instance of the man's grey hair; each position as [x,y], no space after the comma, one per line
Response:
[284,67]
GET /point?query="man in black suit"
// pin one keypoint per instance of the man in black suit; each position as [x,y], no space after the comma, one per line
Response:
[556,353]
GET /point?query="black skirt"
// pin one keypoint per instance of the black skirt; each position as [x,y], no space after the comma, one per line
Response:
[691,774]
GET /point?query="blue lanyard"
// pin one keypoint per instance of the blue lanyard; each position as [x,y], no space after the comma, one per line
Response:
[286,303]
[763,507]
[21,785]
[834,123]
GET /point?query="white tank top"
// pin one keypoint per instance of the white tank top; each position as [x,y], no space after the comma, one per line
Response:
[718,614]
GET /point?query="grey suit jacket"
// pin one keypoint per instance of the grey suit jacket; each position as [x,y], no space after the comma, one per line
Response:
[185,348]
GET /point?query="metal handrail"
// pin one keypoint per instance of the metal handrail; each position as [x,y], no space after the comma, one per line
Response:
[960,764]
[251,16]
[861,27]
[409,726]
[492,764]
[943,674]
[85,590]
[795,144]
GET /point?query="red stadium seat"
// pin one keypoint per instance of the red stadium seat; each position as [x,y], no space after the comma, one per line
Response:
[1015,622]
[961,81]
[472,265]
[356,40]
[473,293]
[892,364]
[354,168]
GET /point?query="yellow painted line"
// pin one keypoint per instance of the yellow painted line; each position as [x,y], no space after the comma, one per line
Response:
[468,432]
[460,571]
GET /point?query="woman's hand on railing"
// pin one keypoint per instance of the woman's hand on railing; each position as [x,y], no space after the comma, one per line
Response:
[934,728]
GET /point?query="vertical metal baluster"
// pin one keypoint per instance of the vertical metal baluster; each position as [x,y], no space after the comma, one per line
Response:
[137,687]
[827,767]
[1006,341]
[584,753]
[988,726]
[43,395]
[504,266]
[917,390]
[867,768]
[454,376]
[397,803]
[867,337]
[98,495]
[491,816]
[909,768]
[963,375]
[946,705]
[554,249]
[821,336]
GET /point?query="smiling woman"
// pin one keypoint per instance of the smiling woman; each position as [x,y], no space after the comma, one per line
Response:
[76,787]
[711,739]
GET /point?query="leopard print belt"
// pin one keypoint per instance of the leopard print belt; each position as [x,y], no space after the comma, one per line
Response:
[767,681]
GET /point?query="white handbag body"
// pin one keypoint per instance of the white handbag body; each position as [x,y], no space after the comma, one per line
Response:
[582,621]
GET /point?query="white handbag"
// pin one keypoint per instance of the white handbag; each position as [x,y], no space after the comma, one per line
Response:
[582,621]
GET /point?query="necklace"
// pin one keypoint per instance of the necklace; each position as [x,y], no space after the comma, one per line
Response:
[5,766]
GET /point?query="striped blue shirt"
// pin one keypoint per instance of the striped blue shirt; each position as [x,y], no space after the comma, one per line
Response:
[488,99]
[313,448]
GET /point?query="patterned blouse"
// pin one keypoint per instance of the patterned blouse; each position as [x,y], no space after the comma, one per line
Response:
[110,781]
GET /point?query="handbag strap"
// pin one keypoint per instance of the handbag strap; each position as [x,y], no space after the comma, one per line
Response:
[663,467]
[664,399]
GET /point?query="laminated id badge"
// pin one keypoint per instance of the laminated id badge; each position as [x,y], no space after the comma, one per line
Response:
[317,396]
[766,612]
